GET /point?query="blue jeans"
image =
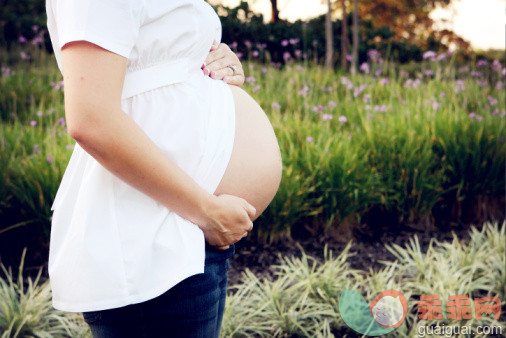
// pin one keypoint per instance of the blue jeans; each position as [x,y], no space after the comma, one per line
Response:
[193,308]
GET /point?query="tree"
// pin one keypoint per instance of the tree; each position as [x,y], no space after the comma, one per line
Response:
[354,54]
[409,19]
[344,36]
[329,37]
[274,11]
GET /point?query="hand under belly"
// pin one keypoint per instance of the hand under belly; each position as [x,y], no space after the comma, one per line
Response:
[254,170]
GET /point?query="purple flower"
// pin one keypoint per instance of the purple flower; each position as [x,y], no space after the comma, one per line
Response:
[366,98]
[364,67]
[284,43]
[309,139]
[39,113]
[294,41]
[332,104]
[49,159]
[496,65]
[373,55]
[24,56]
[264,70]
[233,45]
[342,119]
[429,54]
[256,89]
[22,39]
[482,63]
[58,85]
[61,121]
[384,81]
[367,107]
[275,105]
[286,56]
[300,68]
[239,54]
[35,28]
[347,82]
[492,100]
[249,79]
[348,57]
[36,148]
[429,72]
[36,40]
[495,112]
[247,43]
[33,123]
[255,53]
[304,91]
[472,115]
[359,90]
[326,117]
[378,72]
[298,53]
[441,56]
[381,108]
[479,118]
[443,94]
[499,85]
[314,109]
[435,105]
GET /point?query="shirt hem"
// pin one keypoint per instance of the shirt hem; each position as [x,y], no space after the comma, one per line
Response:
[124,301]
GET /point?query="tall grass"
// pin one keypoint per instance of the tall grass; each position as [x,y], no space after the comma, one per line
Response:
[416,145]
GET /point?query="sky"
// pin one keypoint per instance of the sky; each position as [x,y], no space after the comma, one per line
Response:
[481,22]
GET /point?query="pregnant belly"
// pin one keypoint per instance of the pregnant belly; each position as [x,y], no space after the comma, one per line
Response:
[254,170]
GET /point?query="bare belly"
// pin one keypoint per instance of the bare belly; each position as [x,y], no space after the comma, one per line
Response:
[254,170]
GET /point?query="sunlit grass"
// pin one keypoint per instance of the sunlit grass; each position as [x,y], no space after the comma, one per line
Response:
[402,139]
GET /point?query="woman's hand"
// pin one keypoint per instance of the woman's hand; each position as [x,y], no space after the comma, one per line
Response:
[229,218]
[216,65]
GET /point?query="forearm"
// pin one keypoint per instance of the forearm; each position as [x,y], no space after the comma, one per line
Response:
[122,147]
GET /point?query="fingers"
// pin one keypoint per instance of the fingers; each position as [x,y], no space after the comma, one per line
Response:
[250,210]
[236,80]
[218,52]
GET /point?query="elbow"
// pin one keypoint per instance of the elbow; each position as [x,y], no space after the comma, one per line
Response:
[83,130]
[78,131]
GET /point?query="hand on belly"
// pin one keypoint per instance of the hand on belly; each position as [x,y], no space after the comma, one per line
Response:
[255,167]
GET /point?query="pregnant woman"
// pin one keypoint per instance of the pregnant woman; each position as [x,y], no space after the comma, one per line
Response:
[169,170]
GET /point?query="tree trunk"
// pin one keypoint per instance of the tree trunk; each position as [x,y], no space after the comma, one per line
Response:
[329,38]
[274,11]
[344,36]
[354,55]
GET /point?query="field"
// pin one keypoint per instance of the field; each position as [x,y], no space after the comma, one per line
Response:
[395,148]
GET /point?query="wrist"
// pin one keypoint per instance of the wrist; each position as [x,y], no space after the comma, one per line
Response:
[205,206]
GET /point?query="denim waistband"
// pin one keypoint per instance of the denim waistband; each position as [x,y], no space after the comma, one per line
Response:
[213,254]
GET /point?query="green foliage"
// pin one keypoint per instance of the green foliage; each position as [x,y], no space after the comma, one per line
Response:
[374,152]
[27,311]
[301,301]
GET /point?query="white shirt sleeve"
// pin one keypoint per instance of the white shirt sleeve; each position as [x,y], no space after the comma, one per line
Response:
[110,24]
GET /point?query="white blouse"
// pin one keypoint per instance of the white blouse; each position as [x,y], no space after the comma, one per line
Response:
[111,245]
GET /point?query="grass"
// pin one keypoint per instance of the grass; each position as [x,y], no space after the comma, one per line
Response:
[402,147]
